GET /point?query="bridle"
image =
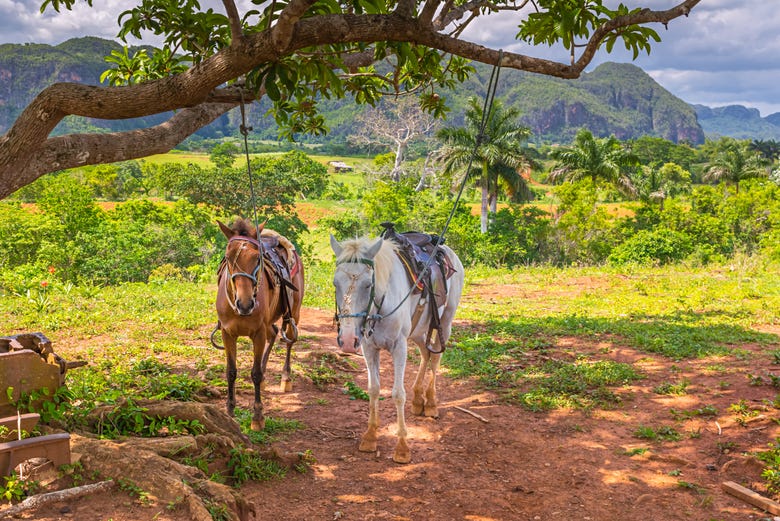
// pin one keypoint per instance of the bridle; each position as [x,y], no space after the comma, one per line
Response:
[233,274]
[369,319]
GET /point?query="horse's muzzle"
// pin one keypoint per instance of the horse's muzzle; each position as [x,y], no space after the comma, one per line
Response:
[245,309]
[350,345]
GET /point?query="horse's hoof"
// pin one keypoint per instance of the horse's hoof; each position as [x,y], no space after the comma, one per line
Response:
[258,425]
[417,408]
[402,453]
[367,445]
[432,412]
[285,386]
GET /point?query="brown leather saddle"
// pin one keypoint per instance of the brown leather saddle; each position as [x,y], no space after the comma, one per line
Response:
[428,268]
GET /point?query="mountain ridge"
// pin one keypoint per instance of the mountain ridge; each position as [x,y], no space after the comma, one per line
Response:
[614,99]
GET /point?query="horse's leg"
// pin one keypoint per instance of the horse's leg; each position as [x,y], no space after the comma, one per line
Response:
[369,439]
[431,407]
[230,371]
[402,453]
[286,384]
[271,333]
[259,344]
[418,400]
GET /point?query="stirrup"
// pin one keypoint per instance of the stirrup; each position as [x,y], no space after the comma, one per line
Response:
[295,331]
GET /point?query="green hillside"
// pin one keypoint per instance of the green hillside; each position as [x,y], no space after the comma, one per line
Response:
[617,99]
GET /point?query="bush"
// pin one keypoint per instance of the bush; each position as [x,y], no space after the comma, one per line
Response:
[658,246]
[347,225]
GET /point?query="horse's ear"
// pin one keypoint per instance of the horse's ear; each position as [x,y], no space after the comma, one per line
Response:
[374,249]
[334,244]
[226,229]
[261,228]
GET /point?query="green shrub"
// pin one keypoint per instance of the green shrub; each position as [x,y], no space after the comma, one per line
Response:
[659,246]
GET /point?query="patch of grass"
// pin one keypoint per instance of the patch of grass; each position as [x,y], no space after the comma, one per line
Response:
[245,464]
[669,388]
[582,384]
[707,410]
[129,419]
[771,471]
[325,370]
[354,391]
[274,427]
[664,433]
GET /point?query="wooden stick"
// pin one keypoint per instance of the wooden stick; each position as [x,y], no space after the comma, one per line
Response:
[477,416]
[749,496]
[40,500]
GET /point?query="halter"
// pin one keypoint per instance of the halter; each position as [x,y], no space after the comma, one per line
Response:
[368,317]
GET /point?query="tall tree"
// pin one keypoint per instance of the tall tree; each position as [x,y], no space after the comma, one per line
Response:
[601,160]
[397,123]
[734,163]
[495,155]
[296,52]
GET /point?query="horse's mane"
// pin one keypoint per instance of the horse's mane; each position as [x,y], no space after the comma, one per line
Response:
[244,227]
[354,249]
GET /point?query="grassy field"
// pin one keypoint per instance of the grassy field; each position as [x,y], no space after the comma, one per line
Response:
[678,312]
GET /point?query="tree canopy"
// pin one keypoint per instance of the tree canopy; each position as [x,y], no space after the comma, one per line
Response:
[296,52]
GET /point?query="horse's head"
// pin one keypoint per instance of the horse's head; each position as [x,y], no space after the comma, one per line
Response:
[355,282]
[243,265]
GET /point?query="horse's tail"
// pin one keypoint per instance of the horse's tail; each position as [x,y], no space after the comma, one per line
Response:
[213,333]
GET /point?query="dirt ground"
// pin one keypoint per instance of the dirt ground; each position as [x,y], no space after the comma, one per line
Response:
[510,464]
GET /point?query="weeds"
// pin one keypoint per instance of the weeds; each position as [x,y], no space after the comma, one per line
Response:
[664,433]
[130,419]
[14,488]
[669,388]
[354,391]
[134,490]
[245,464]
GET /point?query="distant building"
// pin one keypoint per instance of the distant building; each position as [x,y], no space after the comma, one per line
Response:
[340,166]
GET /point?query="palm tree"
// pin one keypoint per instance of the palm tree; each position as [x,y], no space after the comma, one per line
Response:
[658,184]
[603,159]
[769,149]
[496,156]
[735,163]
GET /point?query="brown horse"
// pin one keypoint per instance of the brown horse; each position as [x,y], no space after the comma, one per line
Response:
[260,281]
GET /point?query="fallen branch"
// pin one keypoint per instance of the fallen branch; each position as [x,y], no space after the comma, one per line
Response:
[40,500]
[749,496]
[477,416]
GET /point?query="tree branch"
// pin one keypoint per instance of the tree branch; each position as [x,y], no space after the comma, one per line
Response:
[62,152]
[236,31]
[642,17]
[26,151]
[428,12]
[282,32]
[449,15]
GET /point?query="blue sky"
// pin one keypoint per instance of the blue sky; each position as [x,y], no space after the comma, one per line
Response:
[726,52]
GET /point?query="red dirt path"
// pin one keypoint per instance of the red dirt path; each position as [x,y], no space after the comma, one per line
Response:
[518,465]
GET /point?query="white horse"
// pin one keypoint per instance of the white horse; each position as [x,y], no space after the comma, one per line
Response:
[376,310]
